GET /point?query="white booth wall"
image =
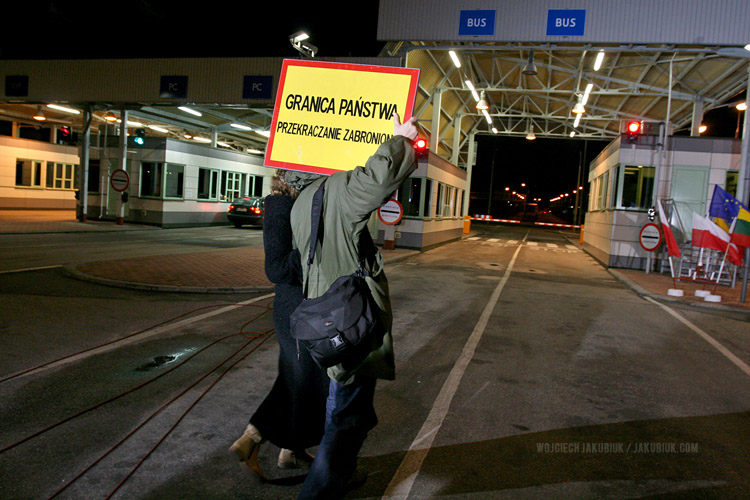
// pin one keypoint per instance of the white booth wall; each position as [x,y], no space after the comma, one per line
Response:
[37,175]
[433,202]
[619,197]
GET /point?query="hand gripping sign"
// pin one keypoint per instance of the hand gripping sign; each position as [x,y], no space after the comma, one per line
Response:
[332,116]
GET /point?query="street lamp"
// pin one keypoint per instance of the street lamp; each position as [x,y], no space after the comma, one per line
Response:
[298,41]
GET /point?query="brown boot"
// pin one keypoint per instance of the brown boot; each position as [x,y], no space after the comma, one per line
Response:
[246,448]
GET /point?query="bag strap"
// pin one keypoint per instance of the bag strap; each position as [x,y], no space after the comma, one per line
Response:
[316,214]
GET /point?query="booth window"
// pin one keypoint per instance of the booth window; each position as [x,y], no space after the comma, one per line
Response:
[255,185]
[446,200]
[28,173]
[174,182]
[151,179]
[440,196]
[208,184]
[731,181]
[231,185]
[410,196]
[60,175]
[426,205]
[94,169]
[637,187]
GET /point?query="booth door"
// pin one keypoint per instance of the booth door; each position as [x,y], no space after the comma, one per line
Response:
[689,192]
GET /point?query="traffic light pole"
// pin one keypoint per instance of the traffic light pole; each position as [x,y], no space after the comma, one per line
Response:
[743,186]
[124,162]
[83,190]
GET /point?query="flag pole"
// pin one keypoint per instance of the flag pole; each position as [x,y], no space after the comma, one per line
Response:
[726,252]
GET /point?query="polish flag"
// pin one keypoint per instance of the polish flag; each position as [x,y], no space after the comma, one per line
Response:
[706,234]
[673,249]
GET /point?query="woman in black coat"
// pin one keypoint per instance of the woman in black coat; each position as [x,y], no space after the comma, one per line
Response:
[292,415]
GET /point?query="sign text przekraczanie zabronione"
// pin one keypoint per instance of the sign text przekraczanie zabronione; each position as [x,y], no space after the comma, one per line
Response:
[346,107]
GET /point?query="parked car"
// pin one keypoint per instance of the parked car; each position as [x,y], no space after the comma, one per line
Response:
[246,211]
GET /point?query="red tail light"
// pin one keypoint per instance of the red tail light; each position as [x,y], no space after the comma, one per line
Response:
[255,210]
[231,207]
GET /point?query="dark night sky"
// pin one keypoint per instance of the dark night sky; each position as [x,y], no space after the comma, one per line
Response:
[549,167]
[157,28]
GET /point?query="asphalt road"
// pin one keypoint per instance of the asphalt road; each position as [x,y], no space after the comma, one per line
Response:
[525,371]
[29,251]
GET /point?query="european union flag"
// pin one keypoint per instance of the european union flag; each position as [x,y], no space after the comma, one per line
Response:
[724,207]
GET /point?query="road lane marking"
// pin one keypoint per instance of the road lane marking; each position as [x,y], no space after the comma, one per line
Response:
[136,338]
[403,480]
[705,336]
[30,269]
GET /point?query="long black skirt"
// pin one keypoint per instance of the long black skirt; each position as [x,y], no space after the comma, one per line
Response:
[292,415]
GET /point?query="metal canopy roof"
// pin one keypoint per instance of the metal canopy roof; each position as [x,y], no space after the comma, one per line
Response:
[633,83]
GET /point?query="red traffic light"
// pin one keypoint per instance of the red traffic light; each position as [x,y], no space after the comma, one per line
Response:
[633,131]
[634,127]
[420,147]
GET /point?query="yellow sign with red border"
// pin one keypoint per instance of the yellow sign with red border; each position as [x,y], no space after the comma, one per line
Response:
[330,117]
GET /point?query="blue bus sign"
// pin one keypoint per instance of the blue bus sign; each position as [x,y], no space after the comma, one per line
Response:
[566,22]
[476,23]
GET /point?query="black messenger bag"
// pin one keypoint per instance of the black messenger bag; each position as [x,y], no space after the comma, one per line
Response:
[342,325]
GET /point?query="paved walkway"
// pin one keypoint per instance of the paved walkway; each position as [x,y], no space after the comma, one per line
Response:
[241,269]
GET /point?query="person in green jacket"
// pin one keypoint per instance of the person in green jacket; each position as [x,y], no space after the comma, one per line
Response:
[350,197]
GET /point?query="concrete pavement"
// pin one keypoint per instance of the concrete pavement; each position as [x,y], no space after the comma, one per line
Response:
[240,270]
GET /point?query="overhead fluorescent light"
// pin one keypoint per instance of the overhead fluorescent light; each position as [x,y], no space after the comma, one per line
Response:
[255,151]
[598,61]
[223,144]
[158,129]
[473,90]
[264,133]
[63,108]
[130,124]
[573,133]
[586,93]
[454,57]
[241,127]
[578,120]
[191,111]
[487,116]
[202,139]
[494,130]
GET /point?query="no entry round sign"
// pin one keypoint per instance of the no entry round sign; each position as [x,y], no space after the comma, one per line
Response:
[390,213]
[119,180]
[650,237]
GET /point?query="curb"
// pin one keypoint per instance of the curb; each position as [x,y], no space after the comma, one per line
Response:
[709,308]
[731,311]
[72,271]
